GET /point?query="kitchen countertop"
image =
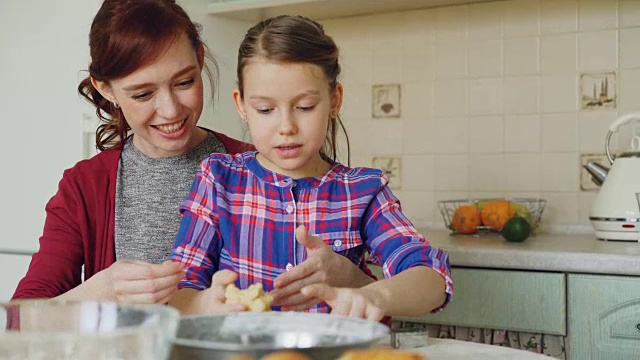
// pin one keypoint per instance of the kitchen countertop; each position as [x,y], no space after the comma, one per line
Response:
[581,253]
[448,349]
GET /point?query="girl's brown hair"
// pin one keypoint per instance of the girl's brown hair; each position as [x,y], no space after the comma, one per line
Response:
[296,39]
[125,35]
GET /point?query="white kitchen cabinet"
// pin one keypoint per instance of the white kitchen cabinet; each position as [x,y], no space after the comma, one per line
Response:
[255,10]
[12,268]
[604,317]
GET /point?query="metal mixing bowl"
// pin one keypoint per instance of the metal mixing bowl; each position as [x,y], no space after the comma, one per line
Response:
[49,329]
[321,336]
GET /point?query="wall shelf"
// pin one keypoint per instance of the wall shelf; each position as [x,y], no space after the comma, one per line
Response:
[255,10]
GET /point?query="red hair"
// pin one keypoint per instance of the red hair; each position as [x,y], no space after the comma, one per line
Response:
[126,35]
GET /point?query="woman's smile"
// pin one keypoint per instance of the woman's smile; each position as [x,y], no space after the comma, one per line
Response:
[169,128]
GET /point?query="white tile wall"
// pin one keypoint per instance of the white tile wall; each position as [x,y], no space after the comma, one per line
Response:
[489,98]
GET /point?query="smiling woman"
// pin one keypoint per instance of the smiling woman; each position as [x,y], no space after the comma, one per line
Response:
[162,101]
[116,213]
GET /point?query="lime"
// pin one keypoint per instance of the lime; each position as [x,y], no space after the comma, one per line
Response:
[516,229]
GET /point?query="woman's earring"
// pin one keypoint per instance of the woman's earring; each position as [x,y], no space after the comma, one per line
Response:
[334,114]
[115,104]
[244,118]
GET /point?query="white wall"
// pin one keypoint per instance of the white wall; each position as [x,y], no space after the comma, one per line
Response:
[490,98]
[44,45]
[44,52]
[223,37]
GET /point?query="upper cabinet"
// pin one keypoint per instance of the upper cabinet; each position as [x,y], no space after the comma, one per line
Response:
[255,10]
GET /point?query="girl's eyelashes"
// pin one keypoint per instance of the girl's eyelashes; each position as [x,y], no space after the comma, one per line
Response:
[307,108]
[263,111]
[186,83]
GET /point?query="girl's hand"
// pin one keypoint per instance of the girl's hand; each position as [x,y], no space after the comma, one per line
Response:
[322,266]
[208,301]
[139,282]
[360,303]
[214,297]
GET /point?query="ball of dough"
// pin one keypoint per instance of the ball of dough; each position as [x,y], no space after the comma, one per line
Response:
[253,298]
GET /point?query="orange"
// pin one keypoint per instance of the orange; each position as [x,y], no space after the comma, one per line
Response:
[466,219]
[496,213]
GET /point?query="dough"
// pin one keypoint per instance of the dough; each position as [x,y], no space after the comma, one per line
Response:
[253,298]
[286,355]
[380,354]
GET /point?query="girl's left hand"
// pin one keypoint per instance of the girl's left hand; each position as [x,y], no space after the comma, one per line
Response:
[360,303]
[322,266]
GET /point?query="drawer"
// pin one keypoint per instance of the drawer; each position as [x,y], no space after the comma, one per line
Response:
[604,317]
[503,299]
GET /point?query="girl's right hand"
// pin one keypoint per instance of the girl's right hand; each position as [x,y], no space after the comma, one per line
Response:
[139,282]
[208,301]
[215,295]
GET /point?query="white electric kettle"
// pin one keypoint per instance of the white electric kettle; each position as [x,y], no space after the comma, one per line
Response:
[615,214]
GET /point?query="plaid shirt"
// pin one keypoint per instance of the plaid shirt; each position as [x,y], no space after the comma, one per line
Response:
[241,216]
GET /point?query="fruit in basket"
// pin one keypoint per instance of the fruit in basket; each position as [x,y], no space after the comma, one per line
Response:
[522,210]
[466,219]
[516,229]
[496,213]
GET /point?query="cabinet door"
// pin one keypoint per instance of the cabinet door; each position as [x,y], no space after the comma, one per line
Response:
[504,299]
[12,268]
[604,317]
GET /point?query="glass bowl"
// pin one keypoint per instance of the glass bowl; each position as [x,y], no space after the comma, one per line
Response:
[253,334]
[529,208]
[50,329]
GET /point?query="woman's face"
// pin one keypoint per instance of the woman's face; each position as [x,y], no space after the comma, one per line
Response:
[163,101]
[287,108]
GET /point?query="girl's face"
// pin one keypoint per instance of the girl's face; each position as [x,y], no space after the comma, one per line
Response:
[162,101]
[287,108]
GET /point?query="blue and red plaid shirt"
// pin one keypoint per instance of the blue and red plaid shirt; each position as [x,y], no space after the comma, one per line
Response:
[241,216]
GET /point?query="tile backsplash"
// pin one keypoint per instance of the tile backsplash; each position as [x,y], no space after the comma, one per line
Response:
[491,98]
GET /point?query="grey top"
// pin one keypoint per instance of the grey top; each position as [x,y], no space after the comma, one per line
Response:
[148,194]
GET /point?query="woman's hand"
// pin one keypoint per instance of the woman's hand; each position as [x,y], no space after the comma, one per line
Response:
[139,282]
[359,303]
[322,266]
[207,301]
[130,281]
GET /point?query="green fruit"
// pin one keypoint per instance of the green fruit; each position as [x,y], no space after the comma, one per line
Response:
[522,210]
[516,229]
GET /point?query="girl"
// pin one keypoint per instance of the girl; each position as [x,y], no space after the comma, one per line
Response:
[245,212]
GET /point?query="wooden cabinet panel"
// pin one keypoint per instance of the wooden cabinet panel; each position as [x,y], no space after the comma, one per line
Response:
[604,317]
[507,300]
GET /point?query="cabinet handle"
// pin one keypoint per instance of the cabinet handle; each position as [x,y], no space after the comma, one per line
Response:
[638,326]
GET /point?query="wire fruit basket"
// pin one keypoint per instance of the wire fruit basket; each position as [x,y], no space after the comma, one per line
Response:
[529,208]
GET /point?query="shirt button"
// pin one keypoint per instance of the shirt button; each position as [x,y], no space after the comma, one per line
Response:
[289,209]
[289,266]
[294,183]
[337,243]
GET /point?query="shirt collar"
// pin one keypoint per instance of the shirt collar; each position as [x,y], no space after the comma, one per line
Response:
[280,180]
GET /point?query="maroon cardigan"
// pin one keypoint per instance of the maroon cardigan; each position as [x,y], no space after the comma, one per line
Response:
[79,226]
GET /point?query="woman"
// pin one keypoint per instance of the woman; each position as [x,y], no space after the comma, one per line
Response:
[116,214]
